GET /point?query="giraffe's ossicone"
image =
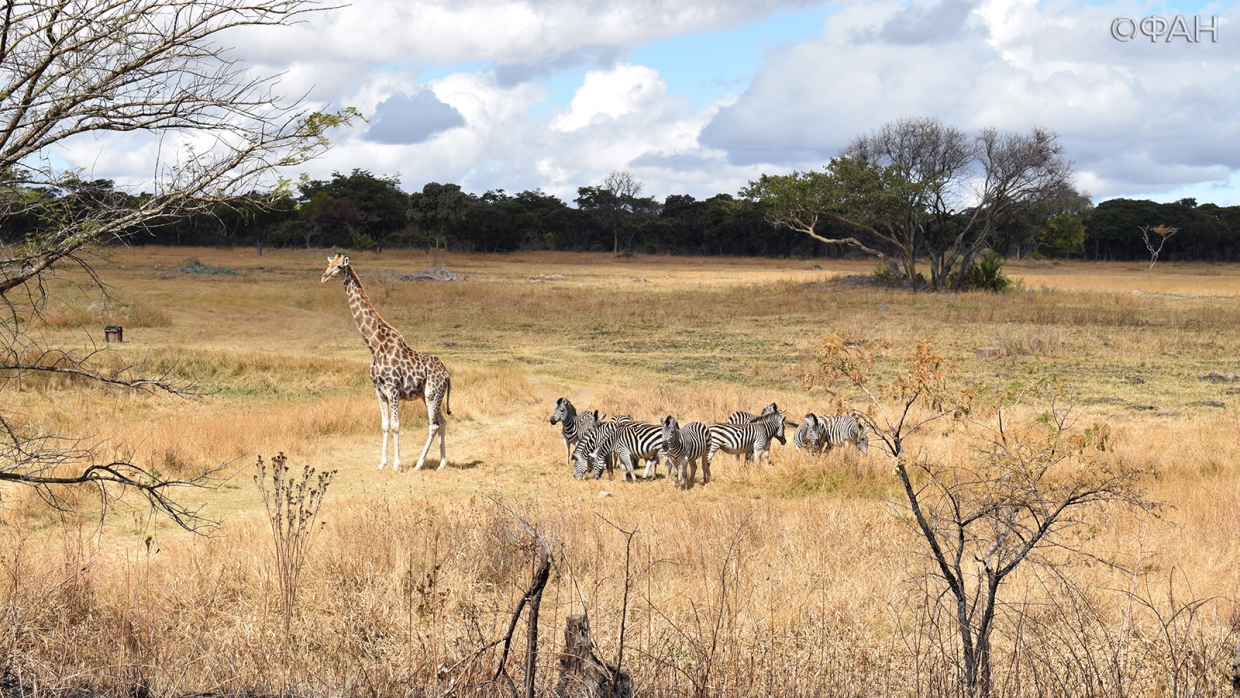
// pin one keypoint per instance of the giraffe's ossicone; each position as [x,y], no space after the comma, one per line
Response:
[398,372]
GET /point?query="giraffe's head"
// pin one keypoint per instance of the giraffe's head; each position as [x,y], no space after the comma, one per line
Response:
[335,265]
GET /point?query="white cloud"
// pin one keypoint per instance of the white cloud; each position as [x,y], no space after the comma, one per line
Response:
[624,89]
[1136,117]
[505,31]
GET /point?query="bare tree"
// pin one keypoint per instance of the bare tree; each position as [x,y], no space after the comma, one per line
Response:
[971,186]
[1163,234]
[1030,480]
[617,198]
[80,68]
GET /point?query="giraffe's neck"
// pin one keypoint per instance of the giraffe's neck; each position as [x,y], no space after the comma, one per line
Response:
[372,327]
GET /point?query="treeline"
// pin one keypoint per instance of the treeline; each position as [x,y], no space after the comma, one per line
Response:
[1204,232]
[362,211]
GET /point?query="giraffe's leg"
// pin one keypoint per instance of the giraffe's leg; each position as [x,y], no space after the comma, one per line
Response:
[383,414]
[395,434]
[443,450]
[432,417]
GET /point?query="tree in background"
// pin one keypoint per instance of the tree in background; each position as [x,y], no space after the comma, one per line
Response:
[152,66]
[1155,239]
[617,203]
[1057,226]
[879,207]
[916,186]
[368,209]
[435,210]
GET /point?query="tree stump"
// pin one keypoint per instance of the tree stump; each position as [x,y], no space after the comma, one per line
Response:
[583,675]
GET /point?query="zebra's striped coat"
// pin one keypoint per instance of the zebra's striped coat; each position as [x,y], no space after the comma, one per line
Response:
[742,417]
[753,438]
[574,425]
[590,442]
[810,435]
[629,443]
[843,429]
[685,446]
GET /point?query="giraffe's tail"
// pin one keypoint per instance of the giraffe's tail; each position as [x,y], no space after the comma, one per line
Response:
[447,397]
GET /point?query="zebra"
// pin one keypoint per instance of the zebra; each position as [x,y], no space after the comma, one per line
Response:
[591,441]
[742,417]
[629,443]
[685,446]
[843,428]
[574,424]
[811,434]
[750,438]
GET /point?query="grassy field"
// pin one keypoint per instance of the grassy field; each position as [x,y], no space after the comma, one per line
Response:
[793,578]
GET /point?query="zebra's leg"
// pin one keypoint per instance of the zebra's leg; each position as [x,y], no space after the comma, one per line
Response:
[710,454]
[432,417]
[383,415]
[394,406]
[692,465]
[649,463]
[568,451]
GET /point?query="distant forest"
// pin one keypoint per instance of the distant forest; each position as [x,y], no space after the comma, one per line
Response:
[362,211]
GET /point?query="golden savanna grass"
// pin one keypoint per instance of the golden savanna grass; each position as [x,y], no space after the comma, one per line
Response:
[794,578]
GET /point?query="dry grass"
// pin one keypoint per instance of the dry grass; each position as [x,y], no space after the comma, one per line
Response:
[799,574]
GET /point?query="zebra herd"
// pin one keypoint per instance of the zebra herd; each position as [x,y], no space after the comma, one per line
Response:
[593,443]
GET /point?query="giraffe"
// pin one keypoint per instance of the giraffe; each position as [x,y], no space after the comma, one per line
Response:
[398,372]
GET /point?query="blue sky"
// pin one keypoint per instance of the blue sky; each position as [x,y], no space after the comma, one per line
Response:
[700,96]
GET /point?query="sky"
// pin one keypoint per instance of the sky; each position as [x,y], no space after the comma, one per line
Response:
[700,96]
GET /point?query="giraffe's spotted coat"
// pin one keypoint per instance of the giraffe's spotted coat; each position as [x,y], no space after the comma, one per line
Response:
[398,372]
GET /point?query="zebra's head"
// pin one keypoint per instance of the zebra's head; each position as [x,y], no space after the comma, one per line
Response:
[776,420]
[863,439]
[562,407]
[811,422]
[335,265]
[671,429]
[581,457]
[590,420]
[770,409]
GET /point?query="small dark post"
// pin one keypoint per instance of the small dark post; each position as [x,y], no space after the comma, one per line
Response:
[584,675]
[114,333]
